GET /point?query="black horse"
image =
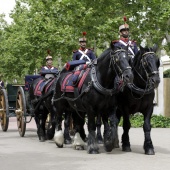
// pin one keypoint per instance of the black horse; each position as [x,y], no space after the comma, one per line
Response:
[108,74]
[41,106]
[139,96]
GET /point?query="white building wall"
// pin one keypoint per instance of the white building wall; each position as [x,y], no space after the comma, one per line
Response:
[159,95]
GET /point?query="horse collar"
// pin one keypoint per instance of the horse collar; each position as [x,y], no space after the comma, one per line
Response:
[98,86]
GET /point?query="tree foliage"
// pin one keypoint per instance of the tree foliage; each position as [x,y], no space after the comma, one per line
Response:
[39,25]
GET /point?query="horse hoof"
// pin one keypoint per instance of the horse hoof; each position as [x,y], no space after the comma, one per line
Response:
[42,139]
[93,152]
[67,141]
[59,146]
[108,148]
[126,149]
[150,152]
[100,141]
[79,147]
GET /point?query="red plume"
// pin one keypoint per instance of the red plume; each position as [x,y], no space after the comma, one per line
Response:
[48,52]
[84,33]
[125,18]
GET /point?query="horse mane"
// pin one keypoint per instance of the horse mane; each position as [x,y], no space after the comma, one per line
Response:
[140,53]
[105,53]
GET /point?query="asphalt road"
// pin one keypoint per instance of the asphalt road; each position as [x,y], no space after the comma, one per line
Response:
[27,153]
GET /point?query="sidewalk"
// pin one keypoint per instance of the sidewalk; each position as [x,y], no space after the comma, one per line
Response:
[27,153]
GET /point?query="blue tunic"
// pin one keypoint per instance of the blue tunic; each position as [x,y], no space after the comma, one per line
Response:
[81,55]
[124,42]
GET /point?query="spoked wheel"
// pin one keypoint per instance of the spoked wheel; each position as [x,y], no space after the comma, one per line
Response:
[4,110]
[21,111]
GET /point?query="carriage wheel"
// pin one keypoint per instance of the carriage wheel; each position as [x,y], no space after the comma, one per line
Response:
[21,111]
[4,110]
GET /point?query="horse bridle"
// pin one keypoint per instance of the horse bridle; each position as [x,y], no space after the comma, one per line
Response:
[115,59]
[149,87]
[144,62]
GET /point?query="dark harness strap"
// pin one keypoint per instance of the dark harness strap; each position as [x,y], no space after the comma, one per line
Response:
[98,86]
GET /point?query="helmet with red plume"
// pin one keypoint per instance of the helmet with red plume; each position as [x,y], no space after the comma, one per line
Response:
[48,57]
[83,39]
[125,25]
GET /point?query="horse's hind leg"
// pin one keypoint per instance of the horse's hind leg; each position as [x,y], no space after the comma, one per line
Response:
[125,136]
[148,146]
[98,125]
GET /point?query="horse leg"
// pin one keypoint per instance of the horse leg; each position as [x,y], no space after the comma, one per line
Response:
[51,124]
[110,130]
[67,138]
[92,147]
[78,142]
[98,125]
[40,120]
[148,146]
[116,122]
[59,136]
[125,135]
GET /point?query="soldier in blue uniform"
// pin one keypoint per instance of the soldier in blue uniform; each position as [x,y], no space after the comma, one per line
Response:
[124,40]
[48,71]
[83,53]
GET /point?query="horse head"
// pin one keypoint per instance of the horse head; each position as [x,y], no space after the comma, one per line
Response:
[121,62]
[149,64]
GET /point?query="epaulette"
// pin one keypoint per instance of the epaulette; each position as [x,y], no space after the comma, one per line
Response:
[75,51]
[91,49]
[115,41]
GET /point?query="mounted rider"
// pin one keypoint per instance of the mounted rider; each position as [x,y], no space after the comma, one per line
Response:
[48,71]
[81,58]
[124,40]
[48,74]
[83,53]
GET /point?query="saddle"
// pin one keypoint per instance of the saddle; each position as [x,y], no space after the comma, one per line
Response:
[42,86]
[74,80]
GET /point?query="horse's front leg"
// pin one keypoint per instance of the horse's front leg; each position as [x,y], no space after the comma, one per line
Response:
[78,120]
[67,138]
[59,136]
[125,135]
[51,123]
[148,146]
[92,147]
[98,125]
[110,129]
[40,119]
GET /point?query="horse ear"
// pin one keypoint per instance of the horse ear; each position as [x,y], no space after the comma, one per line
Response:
[155,48]
[142,49]
[158,63]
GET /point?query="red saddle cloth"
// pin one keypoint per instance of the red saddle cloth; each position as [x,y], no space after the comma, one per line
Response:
[42,86]
[67,84]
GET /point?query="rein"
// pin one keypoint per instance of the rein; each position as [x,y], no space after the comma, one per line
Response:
[113,63]
[149,88]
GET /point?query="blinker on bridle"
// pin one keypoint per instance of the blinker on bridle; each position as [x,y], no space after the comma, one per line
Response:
[114,61]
